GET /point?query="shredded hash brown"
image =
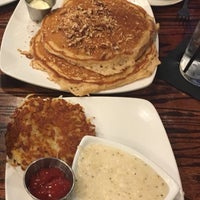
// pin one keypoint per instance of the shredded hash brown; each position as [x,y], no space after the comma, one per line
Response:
[46,127]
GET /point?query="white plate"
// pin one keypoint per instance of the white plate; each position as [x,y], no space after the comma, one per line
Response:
[18,66]
[163,2]
[88,140]
[4,2]
[129,121]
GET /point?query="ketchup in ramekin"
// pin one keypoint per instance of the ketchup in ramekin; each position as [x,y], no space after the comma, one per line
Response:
[49,184]
[49,179]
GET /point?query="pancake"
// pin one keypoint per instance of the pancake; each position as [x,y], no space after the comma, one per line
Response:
[67,70]
[101,35]
[49,127]
[82,73]
[81,81]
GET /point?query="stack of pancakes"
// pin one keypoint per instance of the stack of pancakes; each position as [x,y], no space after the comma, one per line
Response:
[87,46]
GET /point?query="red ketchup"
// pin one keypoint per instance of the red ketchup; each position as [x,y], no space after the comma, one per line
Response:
[49,184]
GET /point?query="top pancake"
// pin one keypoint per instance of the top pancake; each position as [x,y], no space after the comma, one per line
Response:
[104,36]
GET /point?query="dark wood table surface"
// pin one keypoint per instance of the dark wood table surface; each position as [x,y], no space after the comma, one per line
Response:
[179,112]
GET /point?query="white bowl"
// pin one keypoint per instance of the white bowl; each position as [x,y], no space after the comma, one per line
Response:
[87,140]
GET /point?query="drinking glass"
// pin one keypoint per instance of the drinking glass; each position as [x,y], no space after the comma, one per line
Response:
[190,62]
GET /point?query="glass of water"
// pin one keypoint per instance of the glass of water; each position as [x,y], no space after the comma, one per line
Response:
[190,62]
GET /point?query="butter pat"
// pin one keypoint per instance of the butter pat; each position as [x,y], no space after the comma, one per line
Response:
[39,4]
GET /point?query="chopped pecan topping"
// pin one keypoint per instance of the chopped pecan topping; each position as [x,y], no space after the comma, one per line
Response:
[83,25]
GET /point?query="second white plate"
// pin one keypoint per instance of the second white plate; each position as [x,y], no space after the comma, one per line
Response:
[129,121]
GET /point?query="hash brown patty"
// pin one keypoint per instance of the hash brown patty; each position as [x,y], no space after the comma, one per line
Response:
[49,127]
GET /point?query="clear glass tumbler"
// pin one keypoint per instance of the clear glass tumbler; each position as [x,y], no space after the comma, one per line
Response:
[190,62]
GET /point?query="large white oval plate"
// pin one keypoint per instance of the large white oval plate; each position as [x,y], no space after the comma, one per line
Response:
[129,121]
[17,35]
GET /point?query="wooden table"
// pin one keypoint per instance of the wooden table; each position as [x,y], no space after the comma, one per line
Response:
[179,112]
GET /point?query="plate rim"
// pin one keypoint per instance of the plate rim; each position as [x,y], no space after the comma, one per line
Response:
[5,2]
[163,2]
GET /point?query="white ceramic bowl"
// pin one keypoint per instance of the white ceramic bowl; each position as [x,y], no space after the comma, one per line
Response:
[172,185]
